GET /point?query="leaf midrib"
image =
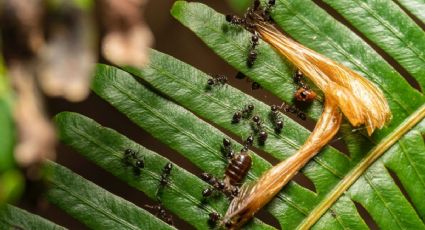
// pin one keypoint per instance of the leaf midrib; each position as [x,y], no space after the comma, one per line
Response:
[361,167]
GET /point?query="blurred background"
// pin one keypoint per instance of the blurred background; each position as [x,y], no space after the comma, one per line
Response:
[169,37]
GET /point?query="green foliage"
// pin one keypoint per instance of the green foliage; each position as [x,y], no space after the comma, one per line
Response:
[11,181]
[12,217]
[92,205]
[167,98]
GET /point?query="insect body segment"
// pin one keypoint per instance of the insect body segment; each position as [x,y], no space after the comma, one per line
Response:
[236,170]
[303,93]
[131,159]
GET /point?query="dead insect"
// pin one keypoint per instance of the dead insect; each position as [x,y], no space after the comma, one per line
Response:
[161,213]
[237,168]
[305,95]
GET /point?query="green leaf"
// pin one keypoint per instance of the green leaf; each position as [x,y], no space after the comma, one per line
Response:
[390,187]
[384,23]
[7,134]
[105,147]
[7,130]
[94,206]
[12,217]
[240,5]
[416,7]
[11,186]
[312,26]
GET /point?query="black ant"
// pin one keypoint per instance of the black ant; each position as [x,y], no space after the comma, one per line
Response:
[252,54]
[250,139]
[213,218]
[164,181]
[258,128]
[255,85]
[245,113]
[236,117]
[217,80]
[161,213]
[303,93]
[215,183]
[248,22]
[227,148]
[131,159]
[276,118]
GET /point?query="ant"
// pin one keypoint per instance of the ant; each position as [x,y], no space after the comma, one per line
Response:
[213,218]
[303,93]
[252,54]
[257,126]
[161,213]
[164,181]
[236,170]
[248,22]
[236,117]
[255,85]
[217,80]
[131,159]
[276,118]
[238,167]
[227,148]
[245,113]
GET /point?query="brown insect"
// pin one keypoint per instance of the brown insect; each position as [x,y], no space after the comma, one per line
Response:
[237,168]
[305,94]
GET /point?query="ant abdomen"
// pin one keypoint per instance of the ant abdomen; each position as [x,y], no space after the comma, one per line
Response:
[238,168]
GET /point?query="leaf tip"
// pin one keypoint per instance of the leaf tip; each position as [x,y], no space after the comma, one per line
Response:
[177,8]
